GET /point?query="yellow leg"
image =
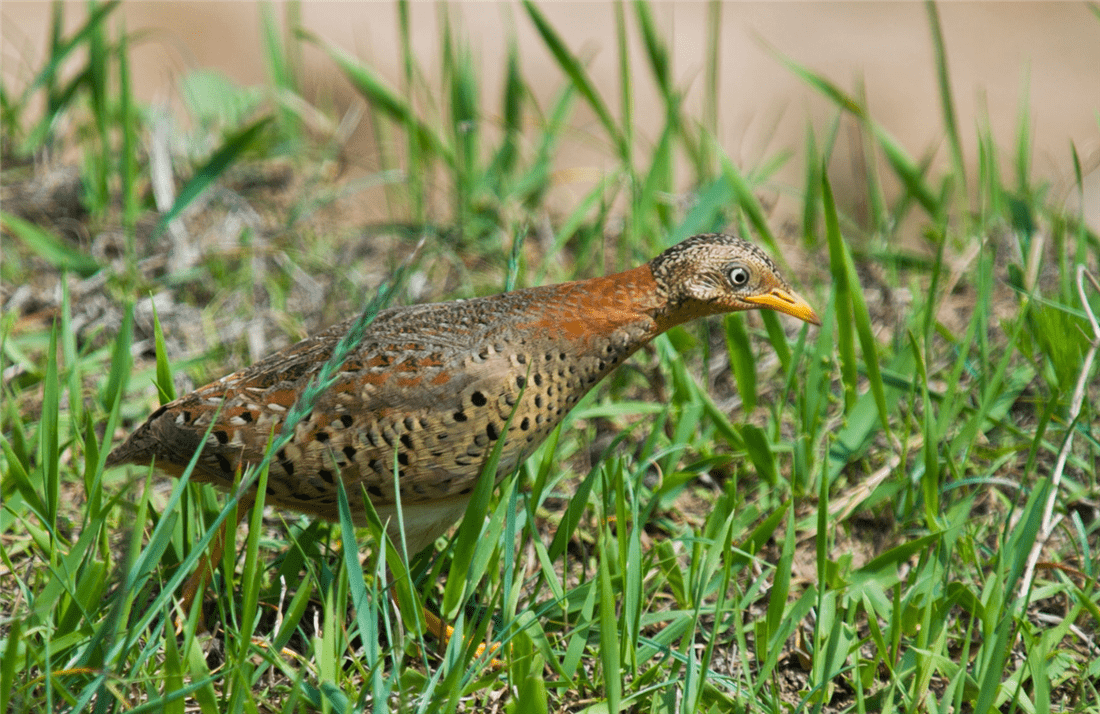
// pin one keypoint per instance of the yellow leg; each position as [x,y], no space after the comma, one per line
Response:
[444,632]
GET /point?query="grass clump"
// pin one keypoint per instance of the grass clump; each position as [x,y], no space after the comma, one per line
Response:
[895,512]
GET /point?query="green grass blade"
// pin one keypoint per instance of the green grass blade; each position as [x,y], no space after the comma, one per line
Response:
[906,169]
[468,539]
[912,175]
[61,49]
[577,75]
[121,360]
[128,160]
[506,158]
[815,169]
[760,453]
[777,599]
[709,164]
[656,52]
[49,439]
[609,636]
[626,88]
[366,607]
[49,247]
[1024,140]
[742,360]
[947,102]
[708,214]
[846,346]
[9,662]
[166,386]
[205,177]
[98,69]
[862,319]
[367,82]
[251,576]
[930,481]
[283,60]
[748,202]
[833,93]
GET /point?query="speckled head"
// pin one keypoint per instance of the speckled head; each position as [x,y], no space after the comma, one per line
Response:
[716,273]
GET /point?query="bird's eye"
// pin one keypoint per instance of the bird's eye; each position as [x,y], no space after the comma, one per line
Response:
[739,275]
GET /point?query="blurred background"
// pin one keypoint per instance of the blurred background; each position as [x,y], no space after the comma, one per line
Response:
[1004,59]
[187,187]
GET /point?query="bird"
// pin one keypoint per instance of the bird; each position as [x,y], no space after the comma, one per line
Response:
[430,389]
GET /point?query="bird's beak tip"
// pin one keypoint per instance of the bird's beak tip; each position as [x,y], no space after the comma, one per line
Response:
[787,302]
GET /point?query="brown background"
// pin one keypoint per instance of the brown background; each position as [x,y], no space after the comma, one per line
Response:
[995,51]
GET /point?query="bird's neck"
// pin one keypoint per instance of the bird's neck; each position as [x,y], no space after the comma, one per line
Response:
[635,295]
[632,300]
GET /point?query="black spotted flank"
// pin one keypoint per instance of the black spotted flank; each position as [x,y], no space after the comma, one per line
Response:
[406,441]
[478,399]
[525,424]
[347,420]
[247,417]
[403,458]
[222,436]
[321,436]
[288,466]
[349,451]
[521,382]
[223,464]
[460,416]
[326,475]
[492,432]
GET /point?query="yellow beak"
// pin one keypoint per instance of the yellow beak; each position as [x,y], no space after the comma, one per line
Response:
[786,302]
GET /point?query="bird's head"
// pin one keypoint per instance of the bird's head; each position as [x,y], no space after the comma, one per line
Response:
[716,273]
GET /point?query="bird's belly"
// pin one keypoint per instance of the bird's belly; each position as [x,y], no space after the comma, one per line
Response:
[424,522]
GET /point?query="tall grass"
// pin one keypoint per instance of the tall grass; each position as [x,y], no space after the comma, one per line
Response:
[891,515]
